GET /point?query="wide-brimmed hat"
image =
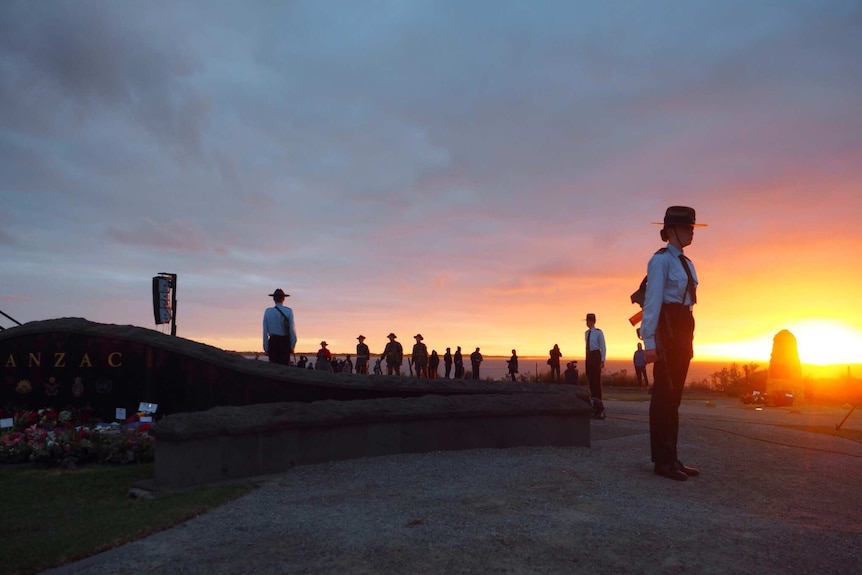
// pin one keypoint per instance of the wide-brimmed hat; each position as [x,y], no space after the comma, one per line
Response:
[391,335]
[418,336]
[279,293]
[591,317]
[361,337]
[323,343]
[679,216]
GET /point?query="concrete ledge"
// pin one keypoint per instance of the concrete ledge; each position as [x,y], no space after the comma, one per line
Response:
[229,443]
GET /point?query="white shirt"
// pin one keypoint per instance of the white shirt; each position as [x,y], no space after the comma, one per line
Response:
[666,283]
[595,338]
[273,324]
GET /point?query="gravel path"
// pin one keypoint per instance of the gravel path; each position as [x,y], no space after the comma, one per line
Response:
[770,499]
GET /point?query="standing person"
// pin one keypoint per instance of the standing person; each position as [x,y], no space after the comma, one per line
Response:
[324,358]
[393,353]
[459,363]
[433,364]
[554,362]
[447,361]
[475,362]
[639,359]
[595,349]
[279,330]
[667,329]
[513,364]
[347,366]
[419,356]
[362,356]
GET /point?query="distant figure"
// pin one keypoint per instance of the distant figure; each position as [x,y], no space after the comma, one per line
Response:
[377,369]
[512,362]
[447,361]
[279,330]
[667,329]
[433,364]
[570,376]
[595,350]
[475,362]
[554,362]
[362,356]
[459,363]
[419,356]
[324,358]
[639,360]
[393,353]
[303,361]
[347,366]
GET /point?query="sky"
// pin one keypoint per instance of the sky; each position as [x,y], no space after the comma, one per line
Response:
[484,173]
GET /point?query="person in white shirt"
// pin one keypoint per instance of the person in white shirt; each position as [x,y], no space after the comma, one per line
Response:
[595,362]
[279,330]
[667,329]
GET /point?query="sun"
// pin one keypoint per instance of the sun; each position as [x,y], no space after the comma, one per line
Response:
[826,342]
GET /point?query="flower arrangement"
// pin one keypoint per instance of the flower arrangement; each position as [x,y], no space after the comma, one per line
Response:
[69,438]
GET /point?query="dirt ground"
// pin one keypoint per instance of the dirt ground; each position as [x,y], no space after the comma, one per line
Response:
[773,497]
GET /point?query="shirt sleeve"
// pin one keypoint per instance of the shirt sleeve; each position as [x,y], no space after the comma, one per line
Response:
[289,313]
[601,341]
[265,335]
[656,274]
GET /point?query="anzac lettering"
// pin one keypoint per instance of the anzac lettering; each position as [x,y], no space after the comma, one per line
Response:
[62,359]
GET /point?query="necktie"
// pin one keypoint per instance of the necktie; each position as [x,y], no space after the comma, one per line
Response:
[587,338]
[690,287]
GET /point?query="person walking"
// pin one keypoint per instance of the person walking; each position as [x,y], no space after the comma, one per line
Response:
[459,363]
[279,330]
[393,353]
[475,361]
[419,356]
[595,360]
[639,361]
[554,361]
[512,362]
[362,356]
[667,328]
[447,361]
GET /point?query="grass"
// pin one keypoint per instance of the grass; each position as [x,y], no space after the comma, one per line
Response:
[53,517]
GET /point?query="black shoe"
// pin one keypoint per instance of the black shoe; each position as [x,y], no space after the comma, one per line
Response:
[690,471]
[670,471]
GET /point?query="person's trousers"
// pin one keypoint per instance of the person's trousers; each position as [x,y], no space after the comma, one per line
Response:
[594,373]
[674,335]
[362,365]
[279,349]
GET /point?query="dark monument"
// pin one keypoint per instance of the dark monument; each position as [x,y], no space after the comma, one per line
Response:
[784,361]
[223,416]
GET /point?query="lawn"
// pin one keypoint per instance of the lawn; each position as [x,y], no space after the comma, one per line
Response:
[52,517]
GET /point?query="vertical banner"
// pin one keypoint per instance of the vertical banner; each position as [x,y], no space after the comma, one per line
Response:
[162,299]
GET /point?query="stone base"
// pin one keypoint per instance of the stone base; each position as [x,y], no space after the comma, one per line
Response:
[230,443]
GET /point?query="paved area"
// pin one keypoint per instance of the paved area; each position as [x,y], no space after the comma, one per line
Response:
[771,499]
